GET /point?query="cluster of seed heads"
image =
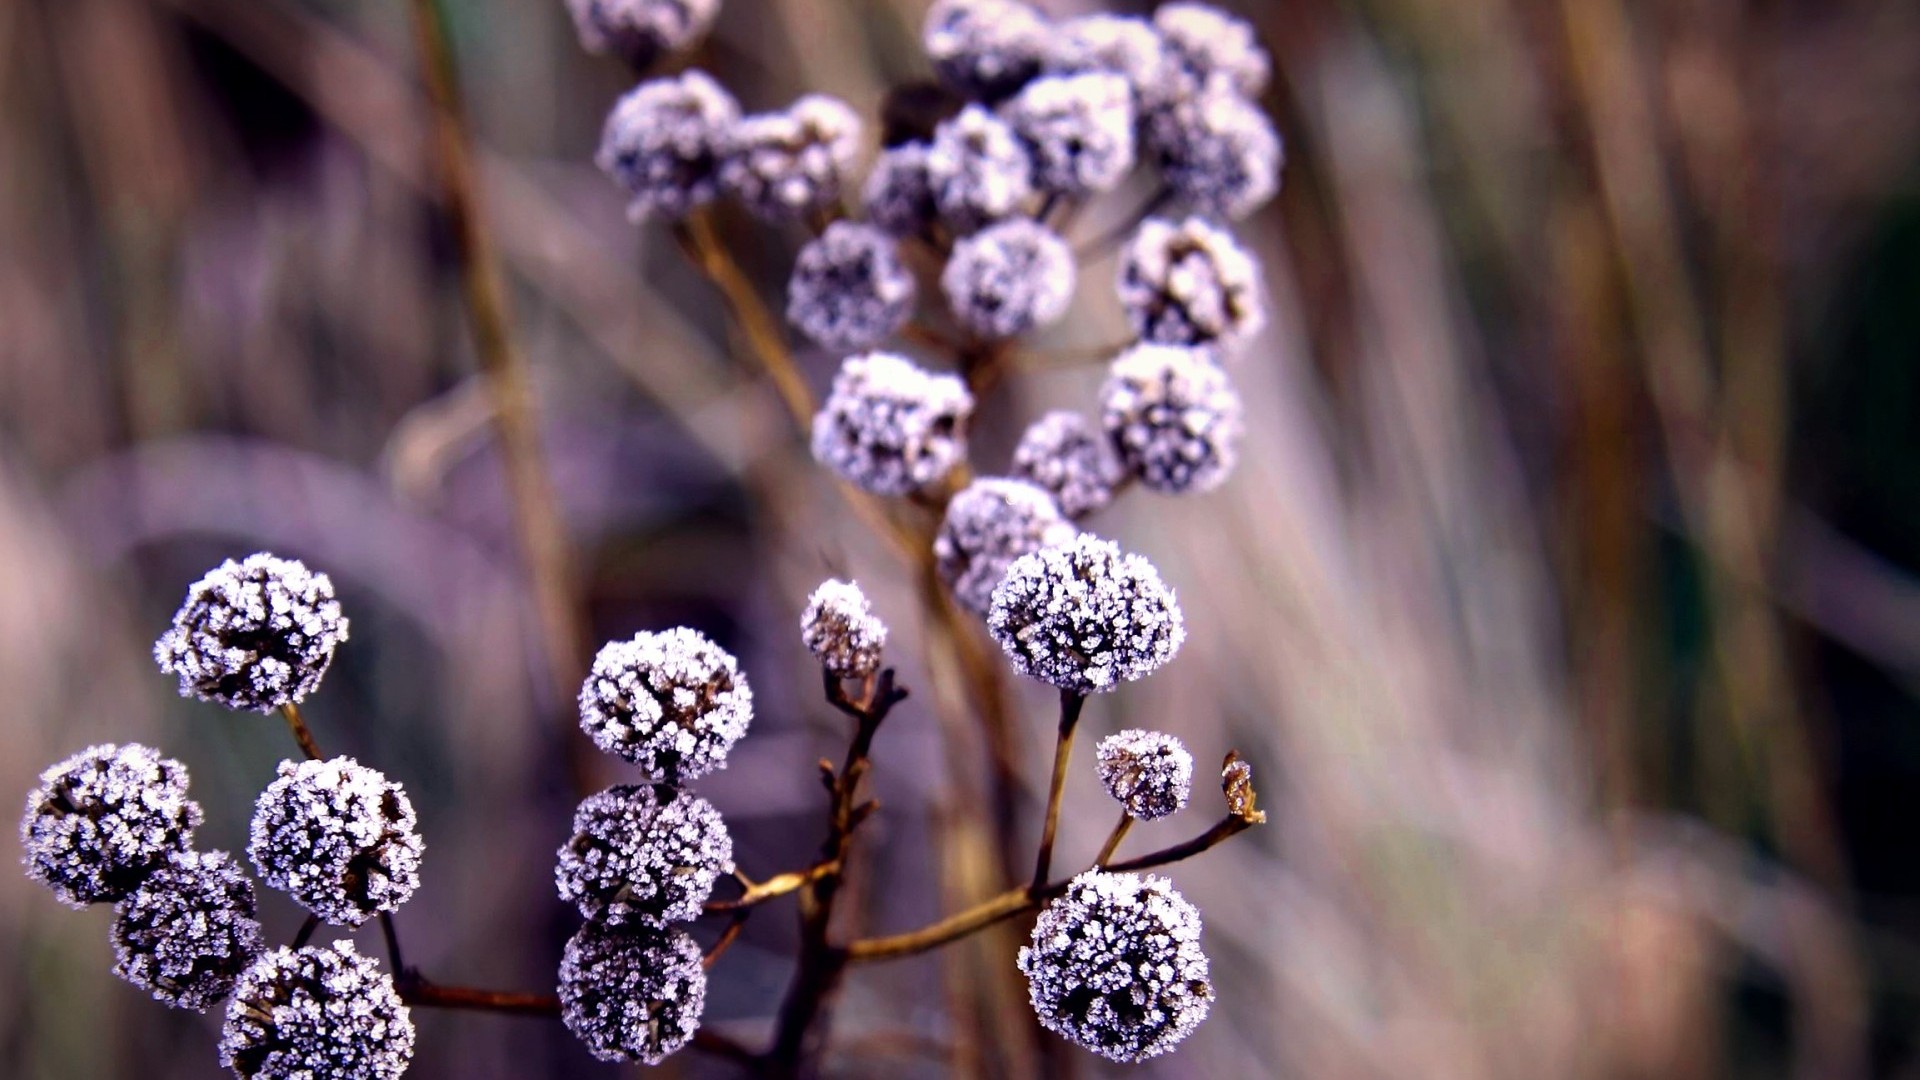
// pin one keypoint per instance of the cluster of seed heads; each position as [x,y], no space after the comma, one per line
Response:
[642,855]
[102,820]
[1147,772]
[673,703]
[338,837]
[841,630]
[1085,617]
[632,993]
[255,634]
[316,1013]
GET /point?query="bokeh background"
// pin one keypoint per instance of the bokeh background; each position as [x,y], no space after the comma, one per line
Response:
[1567,598]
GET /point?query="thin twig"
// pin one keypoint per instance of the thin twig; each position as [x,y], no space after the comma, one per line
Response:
[395,955]
[298,725]
[1071,703]
[726,939]
[1112,845]
[306,932]
[702,245]
[418,991]
[759,892]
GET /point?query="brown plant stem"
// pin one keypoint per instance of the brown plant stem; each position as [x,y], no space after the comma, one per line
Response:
[306,932]
[419,991]
[1071,704]
[759,892]
[298,725]
[1112,845]
[702,245]
[726,939]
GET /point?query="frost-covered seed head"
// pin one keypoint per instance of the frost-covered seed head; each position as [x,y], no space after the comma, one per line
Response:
[1008,278]
[978,169]
[842,631]
[1121,44]
[1078,130]
[632,993]
[985,48]
[672,702]
[898,196]
[890,427]
[1064,454]
[988,524]
[1189,283]
[318,1013]
[103,819]
[338,837]
[641,30]
[662,143]
[255,634]
[1217,150]
[1148,772]
[784,164]
[1084,617]
[1173,417]
[849,288]
[1210,46]
[643,855]
[188,931]
[1115,966]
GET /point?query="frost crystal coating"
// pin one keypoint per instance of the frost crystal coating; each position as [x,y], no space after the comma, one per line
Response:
[988,524]
[640,855]
[1008,278]
[188,931]
[841,630]
[318,1013]
[1120,44]
[1210,46]
[641,30]
[781,165]
[985,48]
[632,993]
[1115,965]
[338,837]
[662,143]
[890,427]
[1173,417]
[1217,150]
[673,703]
[254,634]
[1084,617]
[978,169]
[1063,454]
[898,195]
[1190,284]
[849,288]
[1148,772]
[1078,130]
[105,818]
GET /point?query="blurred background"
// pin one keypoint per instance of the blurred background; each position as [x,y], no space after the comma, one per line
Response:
[1566,600]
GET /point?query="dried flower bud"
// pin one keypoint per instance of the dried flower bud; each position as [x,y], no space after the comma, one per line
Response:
[890,427]
[1173,417]
[1211,46]
[318,1013]
[632,993]
[1008,278]
[641,855]
[1084,617]
[1217,150]
[1115,966]
[1149,773]
[1190,284]
[1078,130]
[842,631]
[255,634]
[784,164]
[188,931]
[640,31]
[103,819]
[338,837]
[662,143]
[985,48]
[1121,44]
[978,169]
[673,703]
[1065,455]
[898,195]
[1236,780]
[988,524]
[849,289]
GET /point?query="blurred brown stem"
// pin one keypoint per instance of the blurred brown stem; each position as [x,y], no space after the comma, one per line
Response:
[298,725]
[702,245]
[1071,703]
[1112,845]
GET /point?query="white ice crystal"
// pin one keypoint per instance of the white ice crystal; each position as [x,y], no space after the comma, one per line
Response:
[673,703]
[338,837]
[1084,617]
[891,427]
[255,634]
[643,855]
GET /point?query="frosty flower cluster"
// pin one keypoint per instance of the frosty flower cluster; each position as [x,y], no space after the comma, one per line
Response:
[255,634]
[187,932]
[338,837]
[632,994]
[990,523]
[841,630]
[891,427]
[1147,772]
[1085,617]
[673,703]
[639,30]
[102,820]
[317,1012]
[643,855]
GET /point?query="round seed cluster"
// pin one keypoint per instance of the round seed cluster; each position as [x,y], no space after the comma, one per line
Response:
[673,703]
[1173,417]
[781,165]
[988,524]
[663,143]
[102,820]
[1148,772]
[641,30]
[188,931]
[1065,455]
[1084,617]
[318,1013]
[842,631]
[338,837]
[1078,130]
[1210,46]
[1008,278]
[1189,283]
[898,193]
[632,993]
[978,169]
[1121,44]
[985,48]
[890,427]
[849,287]
[1115,966]
[1217,150]
[642,855]
[255,634]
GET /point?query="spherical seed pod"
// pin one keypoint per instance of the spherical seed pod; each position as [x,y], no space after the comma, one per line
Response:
[102,820]
[1120,44]
[841,630]
[188,931]
[979,170]
[255,634]
[1173,417]
[632,993]
[1209,45]
[849,288]
[1115,966]
[1009,278]
[1084,617]
[673,703]
[641,31]
[891,427]
[898,194]
[1065,455]
[985,48]
[1217,151]
[988,524]
[1078,130]
[785,164]
[338,837]
[1148,772]
[1190,283]
[313,1013]
[643,855]
[663,142]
